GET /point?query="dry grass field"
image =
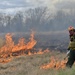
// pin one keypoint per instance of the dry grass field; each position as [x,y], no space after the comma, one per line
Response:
[30,65]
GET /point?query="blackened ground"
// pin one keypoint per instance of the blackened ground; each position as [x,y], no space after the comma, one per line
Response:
[53,41]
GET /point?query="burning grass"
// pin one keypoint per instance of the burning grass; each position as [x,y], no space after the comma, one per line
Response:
[54,64]
[29,65]
[10,46]
[29,61]
[10,49]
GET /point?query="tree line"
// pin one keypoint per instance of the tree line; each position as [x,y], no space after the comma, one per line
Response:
[39,19]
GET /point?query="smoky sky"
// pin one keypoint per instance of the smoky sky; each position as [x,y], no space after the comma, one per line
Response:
[15,5]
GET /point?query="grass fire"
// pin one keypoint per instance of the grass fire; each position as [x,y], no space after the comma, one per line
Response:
[55,64]
[23,58]
[11,49]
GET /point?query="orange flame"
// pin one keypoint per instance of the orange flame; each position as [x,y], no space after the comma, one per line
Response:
[7,48]
[32,42]
[54,63]
[22,46]
[11,48]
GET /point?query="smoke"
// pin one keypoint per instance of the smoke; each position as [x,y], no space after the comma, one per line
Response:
[53,5]
[68,4]
[48,3]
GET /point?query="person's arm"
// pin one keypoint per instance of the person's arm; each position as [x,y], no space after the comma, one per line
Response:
[71,38]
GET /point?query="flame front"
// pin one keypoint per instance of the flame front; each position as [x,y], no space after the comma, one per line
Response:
[10,47]
[7,48]
[22,47]
[54,64]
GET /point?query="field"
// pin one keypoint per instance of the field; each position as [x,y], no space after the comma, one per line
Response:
[30,65]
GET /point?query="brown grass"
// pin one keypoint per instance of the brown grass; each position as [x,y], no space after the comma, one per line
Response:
[30,65]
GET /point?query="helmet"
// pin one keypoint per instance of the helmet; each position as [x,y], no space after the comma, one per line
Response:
[71,28]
